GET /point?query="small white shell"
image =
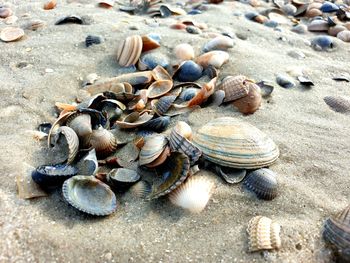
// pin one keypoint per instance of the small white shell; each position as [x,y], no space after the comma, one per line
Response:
[219,43]
[184,52]
[194,194]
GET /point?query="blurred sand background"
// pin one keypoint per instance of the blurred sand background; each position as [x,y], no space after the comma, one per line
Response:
[313,169]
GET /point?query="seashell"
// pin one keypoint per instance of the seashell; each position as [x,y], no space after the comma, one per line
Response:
[214,58]
[178,26]
[166,11]
[313,12]
[10,20]
[306,81]
[122,178]
[89,79]
[266,88]
[141,189]
[285,81]
[160,73]
[88,165]
[71,139]
[188,71]
[251,15]
[193,30]
[188,94]
[160,159]
[336,232]
[250,103]
[162,105]
[106,3]
[81,124]
[262,183]
[318,25]
[134,120]
[322,43]
[194,12]
[89,195]
[181,144]
[289,9]
[193,194]
[34,25]
[314,5]
[184,52]
[50,5]
[149,43]
[347,25]
[300,29]
[271,23]
[152,60]
[183,129]
[92,40]
[159,88]
[218,98]
[49,176]
[218,140]
[219,43]
[26,187]
[10,34]
[278,16]
[231,175]
[158,124]
[263,234]
[234,87]
[344,35]
[328,7]
[103,141]
[153,147]
[45,127]
[73,19]
[174,171]
[211,72]
[261,19]
[206,91]
[341,77]
[5,12]
[334,30]
[338,104]
[129,51]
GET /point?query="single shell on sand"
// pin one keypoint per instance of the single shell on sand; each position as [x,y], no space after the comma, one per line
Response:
[184,52]
[262,183]
[285,81]
[336,232]
[234,143]
[50,5]
[322,43]
[234,87]
[214,58]
[219,43]
[5,12]
[149,43]
[250,103]
[344,35]
[338,104]
[263,234]
[9,34]
[129,51]
[193,194]
[89,195]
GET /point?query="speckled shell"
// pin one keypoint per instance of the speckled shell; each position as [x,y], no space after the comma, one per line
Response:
[338,104]
[193,194]
[214,58]
[89,195]
[129,51]
[154,145]
[219,43]
[234,143]
[262,183]
[250,103]
[72,141]
[234,87]
[336,232]
[103,141]
[263,234]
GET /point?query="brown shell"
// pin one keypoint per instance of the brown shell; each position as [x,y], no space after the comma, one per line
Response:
[334,30]
[160,73]
[149,43]
[313,12]
[161,158]
[50,5]
[9,34]
[234,87]
[152,149]
[338,104]
[159,88]
[129,51]
[214,58]
[81,124]
[72,141]
[134,120]
[103,141]
[263,234]
[250,103]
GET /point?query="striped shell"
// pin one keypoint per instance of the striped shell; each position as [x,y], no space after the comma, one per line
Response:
[262,183]
[152,149]
[72,141]
[337,233]
[89,195]
[129,51]
[263,234]
[193,194]
[81,124]
[103,141]
[162,105]
[234,143]
[338,104]
[234,87]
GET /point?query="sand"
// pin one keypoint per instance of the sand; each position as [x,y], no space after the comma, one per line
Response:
[313,168]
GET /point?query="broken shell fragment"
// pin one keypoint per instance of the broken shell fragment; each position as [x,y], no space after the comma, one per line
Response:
[151,60]
[134,120]
[92,40]
[285,81]
[158,124]
[231,175]
[159,88]
[5,12]
[106,3]
[193,194]
[129,51]
[262,183]
[50,5]
[73,19]
[263,233]
[149,43]
[10,34]
[71,139]
[162,105]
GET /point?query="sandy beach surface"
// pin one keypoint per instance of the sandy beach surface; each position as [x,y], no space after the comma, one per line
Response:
[47,66]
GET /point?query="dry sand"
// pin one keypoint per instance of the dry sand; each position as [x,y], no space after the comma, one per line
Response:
[313,169]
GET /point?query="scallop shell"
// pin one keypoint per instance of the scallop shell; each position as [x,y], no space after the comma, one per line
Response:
[81,124]
[72,141]
[129,51]
[184,52]
[89,195]
[162,105]
[262,183]
[338,104]
[214,58]
[234,143]
[153,147]
[336,232]
[234,87]
[9,34]
[188,71]
[193,194]
[219,43]
[344,35]
[103,141]
[263,234]
[159,88]
[181,144]
[134,120]
[250,103]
